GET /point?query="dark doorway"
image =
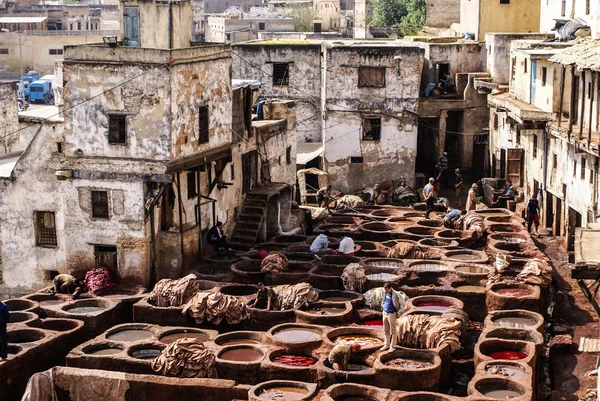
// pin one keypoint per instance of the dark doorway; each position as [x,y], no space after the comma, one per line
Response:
[312,180]
[250,171]
[166,209]
[427,145]
[441,70]
[480,152]
[453,144]
[317,26]
[574,222]
[549,211]
[106,256]
[502,170]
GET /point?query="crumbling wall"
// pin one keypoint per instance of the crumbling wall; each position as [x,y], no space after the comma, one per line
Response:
[442,13]
[9,119]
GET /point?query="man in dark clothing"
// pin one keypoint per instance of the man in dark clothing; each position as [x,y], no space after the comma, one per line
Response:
[264,297]
[443,165]
[4,320]
[533,215]
[324,195]
[216,237]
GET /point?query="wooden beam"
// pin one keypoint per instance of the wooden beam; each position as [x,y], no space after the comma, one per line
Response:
[199,215]
[180,203]
[562,93]
[220,167]
[572,105]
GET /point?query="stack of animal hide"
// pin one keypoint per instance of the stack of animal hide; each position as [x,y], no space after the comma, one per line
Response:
[425,331]
[274,262]
[374,298]
[293,296]
[186,358]
[407,250]
[349,202]
[214,307]
[173,292]
[354,277]
[473,222]
[99,279]
[536,272]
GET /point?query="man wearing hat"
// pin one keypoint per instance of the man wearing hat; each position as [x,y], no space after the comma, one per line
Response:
[428,196]
[472,201]
[458,186]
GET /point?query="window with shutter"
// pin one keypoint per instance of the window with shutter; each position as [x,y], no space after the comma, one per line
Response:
[100,204]
[117,129]
[45,229]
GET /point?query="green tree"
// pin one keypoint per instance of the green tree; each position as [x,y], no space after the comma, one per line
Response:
[302,15]
[408,15]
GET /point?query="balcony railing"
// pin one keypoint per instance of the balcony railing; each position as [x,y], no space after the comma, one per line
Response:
[73,33]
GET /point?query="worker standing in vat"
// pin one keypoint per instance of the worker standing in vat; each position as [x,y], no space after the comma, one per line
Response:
[429,196]
[472,201]
[340,355]
[264,297]
[346,246]
[324,195]
[4,320]
[393,304]
[458,186]
[533,213]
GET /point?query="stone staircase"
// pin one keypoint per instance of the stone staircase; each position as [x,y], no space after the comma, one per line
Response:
[250,222]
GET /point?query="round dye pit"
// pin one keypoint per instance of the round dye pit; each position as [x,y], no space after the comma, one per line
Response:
[364,341]
[357,367]
[24,336]
[428,267]
[129,335]
[470,288]
[325,310]
[354,397]
[283,394]
[385,264]
[55,324]
[508,355]
[464,256]
[433,305]
[241,341]
[18,317]
[146,353]
[501,394]
[239,290]
[338,298]
[408,363]
[473,269]
[515,322]
[20,304]
[241,354]
[505,370]
[373,323]
[514,292]
[171,338]
[297,335]
[382,277]
[82,310]
[105,351]
[295,360]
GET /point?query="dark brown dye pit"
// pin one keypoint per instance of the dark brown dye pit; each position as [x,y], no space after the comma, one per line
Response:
[325,310]
[408,363]
[297,335]
[242,354]
[353,397]
[146,354]
[283,394]
[105,351]
[171,338]
[464,256]
[357,367]
[130,335]
[337,298]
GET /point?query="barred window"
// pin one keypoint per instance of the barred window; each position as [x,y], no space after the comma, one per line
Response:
[45,229]
[100,204]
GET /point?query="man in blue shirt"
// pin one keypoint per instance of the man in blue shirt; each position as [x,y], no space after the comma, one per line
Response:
[393,304]
[428,196]
[4,320]
[321,244]
[452,216]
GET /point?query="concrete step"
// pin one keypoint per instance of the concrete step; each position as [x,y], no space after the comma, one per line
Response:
[242,225]
[251,218]
[239,246]
[237,233]
[253,210]
[255,203]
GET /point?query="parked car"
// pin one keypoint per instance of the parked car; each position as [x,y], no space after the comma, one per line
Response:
[24,92]
[41,92]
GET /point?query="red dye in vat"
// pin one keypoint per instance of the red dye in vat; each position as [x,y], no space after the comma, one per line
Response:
[434,305]
[372,323]
[509,355]
[514,292]
[295,360]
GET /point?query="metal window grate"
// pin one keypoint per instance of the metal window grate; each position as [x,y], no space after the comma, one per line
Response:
[281,74]
[117,129]
[372,128]
[45,229]
[203,126]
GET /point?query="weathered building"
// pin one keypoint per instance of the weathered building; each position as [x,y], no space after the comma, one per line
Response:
[478,17]
[359,101]
[9,120]
[545,132]
[224,29]
[149,159]
[585,10]
[442,13]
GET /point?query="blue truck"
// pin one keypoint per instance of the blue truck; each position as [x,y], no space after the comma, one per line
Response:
[41,92]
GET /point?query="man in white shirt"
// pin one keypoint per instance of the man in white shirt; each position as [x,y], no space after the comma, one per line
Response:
[346,246]
[321,243]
